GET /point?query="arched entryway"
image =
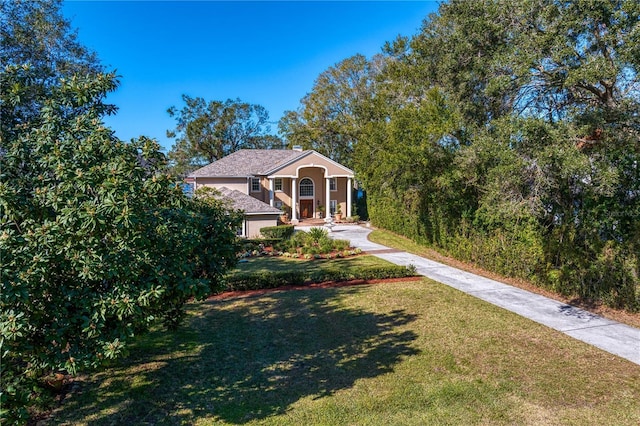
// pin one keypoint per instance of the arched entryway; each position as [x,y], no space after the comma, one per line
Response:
[307,197]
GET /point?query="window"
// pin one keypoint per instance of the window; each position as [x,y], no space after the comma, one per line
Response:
[333,186]
[240,230]
[333,205]
[306,187]
[278,184]
[255,184]
[187,189]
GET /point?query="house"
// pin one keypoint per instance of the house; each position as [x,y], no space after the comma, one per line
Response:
[257,214]
[303,182]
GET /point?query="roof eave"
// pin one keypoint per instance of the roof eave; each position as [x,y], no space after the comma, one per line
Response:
[350,173]
[262,213]
[292,160]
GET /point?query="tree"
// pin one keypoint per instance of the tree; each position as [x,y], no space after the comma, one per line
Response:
[330,117]
[36,33]
[461,50]
[206,132]
[541,179]
[97,244]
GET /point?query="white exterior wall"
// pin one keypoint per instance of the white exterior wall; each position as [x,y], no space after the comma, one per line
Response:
[253,224]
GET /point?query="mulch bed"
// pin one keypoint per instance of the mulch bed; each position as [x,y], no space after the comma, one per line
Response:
[326,284]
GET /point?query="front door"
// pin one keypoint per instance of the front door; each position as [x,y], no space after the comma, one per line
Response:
[306,209]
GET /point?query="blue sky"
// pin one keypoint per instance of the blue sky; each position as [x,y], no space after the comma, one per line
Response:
[268,53]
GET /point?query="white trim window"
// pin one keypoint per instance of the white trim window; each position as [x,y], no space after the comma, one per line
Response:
[333,184]
[277,184]
[306,188]
[333,206]
[255,184]
[240,230]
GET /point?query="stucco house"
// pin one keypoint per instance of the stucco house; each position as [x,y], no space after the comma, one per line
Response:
[306,182]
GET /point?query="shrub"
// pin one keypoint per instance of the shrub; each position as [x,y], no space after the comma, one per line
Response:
[364,273]
[257,243]
[318,234]
[282,232]
[341,245]
[266,280]
[326,246]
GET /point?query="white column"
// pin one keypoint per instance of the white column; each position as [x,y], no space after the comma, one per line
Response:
[349,191]
[271,191]
[328,197]
[294,201]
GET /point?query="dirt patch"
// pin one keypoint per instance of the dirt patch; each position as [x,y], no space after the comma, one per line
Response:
[326,284]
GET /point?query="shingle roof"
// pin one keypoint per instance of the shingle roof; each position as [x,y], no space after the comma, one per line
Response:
[246,203]
[248,162]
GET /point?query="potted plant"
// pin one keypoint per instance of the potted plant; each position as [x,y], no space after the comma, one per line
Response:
[338,215]
[320,211]
[284,216]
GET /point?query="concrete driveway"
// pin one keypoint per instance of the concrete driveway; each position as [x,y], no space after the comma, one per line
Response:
[618,339]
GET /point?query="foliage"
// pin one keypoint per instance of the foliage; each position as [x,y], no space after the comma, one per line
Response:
[317,234]
[281,232]
[330,117]
[251,244]
[206,132]
[36,33]
[97,245]
[514,143]
[264,280]
[273,279]
[314,242]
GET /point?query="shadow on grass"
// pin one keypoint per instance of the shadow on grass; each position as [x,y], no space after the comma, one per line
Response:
[242,360]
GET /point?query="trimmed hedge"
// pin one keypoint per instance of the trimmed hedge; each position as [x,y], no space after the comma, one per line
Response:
[282,232]
[265,280]
[371,273]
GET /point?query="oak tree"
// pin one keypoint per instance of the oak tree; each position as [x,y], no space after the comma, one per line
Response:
[207,131]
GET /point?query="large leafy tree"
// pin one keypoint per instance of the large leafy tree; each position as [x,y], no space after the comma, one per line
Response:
[97,243]
[36,33]
[543,169]
[331,116]
[207,131]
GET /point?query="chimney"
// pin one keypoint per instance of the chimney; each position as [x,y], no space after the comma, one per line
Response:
[297,148]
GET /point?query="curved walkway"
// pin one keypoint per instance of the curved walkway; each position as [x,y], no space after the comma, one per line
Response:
[613,337]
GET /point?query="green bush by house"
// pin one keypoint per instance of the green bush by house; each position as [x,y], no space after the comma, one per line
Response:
[278,232]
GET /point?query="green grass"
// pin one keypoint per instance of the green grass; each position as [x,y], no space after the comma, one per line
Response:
[279,263]
[409,353]
[389,239]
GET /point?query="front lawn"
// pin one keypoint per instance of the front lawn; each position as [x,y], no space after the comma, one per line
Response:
[272,272]
[276,263]
[399,353]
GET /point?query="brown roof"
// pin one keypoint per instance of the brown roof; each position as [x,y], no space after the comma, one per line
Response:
[249,162]
[246,203]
